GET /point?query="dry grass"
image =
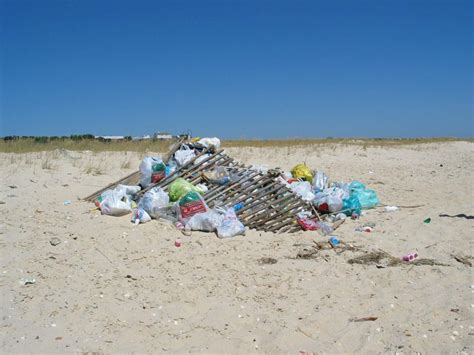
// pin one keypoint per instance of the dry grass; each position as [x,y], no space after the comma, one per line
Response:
[362,142]
[29,145]
[96,167]
[125,164]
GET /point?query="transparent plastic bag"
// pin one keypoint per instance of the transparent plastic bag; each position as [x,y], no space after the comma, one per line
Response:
[231,226]
[303,189]
[320,182]
[184,155]
[329,203]
[153,202]
[205,222]
[218,176]
[114,203]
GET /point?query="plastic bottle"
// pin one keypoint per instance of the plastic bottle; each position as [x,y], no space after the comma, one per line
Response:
[325,228]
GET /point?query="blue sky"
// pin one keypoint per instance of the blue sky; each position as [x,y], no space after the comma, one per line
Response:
[237,69]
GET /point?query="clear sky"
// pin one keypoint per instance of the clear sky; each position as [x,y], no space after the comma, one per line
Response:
[237,69]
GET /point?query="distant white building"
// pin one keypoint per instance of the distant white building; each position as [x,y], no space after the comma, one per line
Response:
[162,135]
[115,138]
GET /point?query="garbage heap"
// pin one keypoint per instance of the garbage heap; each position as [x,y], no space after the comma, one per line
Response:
[197,186]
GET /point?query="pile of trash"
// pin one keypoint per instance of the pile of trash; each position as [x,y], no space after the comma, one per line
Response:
[184,203]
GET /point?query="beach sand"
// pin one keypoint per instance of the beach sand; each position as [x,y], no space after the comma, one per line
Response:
[110,286]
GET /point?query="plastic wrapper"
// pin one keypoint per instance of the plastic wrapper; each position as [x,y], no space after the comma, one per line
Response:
[307,224]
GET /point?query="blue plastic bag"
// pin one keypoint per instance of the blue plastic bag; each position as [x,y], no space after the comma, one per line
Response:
[367,197]
[351,205]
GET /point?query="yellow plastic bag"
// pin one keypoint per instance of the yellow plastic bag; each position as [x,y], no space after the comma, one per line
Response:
[301,171]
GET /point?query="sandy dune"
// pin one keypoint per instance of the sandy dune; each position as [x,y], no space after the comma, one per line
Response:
[111,286]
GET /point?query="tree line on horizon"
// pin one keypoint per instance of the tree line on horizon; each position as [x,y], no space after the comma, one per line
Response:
[73,137]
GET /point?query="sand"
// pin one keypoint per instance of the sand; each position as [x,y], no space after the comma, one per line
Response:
[110,286]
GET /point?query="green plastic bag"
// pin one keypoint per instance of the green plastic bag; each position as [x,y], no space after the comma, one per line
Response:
[181,187]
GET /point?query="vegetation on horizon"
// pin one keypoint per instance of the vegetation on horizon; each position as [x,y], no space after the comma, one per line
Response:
[88,142]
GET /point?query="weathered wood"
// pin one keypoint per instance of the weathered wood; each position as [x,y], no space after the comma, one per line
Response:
[93,196]
[268,204]
[230,186]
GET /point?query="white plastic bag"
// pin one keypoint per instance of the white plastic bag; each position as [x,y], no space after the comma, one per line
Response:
[152,170]
[139,215]
[184,155]
[127,190]
[208,142]
[302,189]
[154,201]
[320,182]
[114,203]
[329,203]
[205,222]
[230,226]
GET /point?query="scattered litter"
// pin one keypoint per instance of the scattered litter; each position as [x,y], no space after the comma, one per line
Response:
[55,241]
[466,260]
[334,241]
[363,319]
[67,202]
[428,220]
[27,281]
[197,186]
[383,259]
[391,208]
[230,226]
[410,257]
[139,215]
[177,243]
[301,171]
[365,228]
[265,261]
[13,186]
